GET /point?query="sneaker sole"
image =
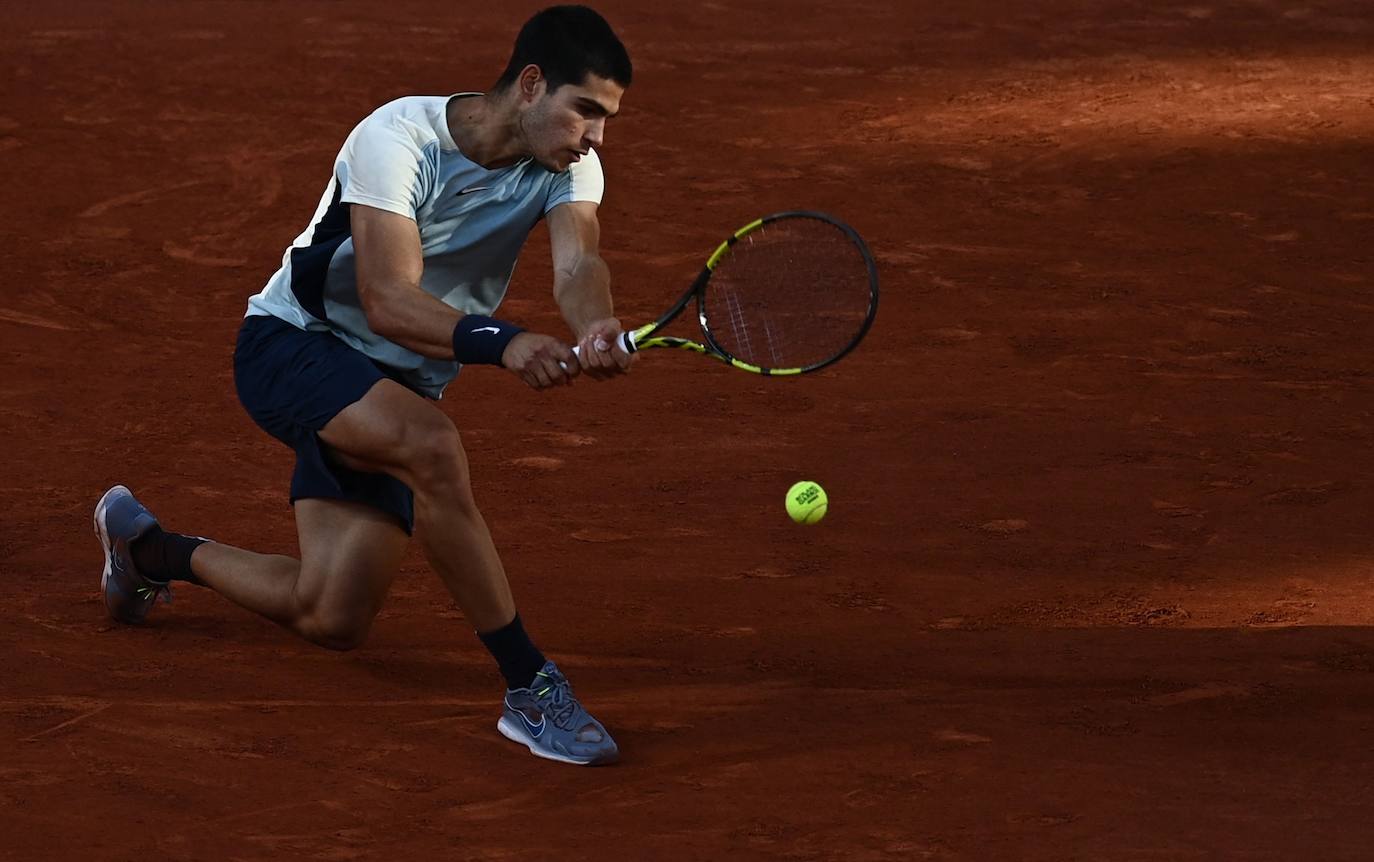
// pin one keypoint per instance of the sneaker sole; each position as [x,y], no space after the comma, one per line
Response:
[103,535]
[515,733]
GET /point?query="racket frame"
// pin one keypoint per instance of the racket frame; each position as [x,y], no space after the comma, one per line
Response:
[643,337]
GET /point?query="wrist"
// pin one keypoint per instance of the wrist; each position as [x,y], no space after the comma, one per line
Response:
[482,340]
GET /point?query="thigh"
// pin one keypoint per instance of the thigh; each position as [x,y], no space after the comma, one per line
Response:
[294,383]
[350,553]
[392,430]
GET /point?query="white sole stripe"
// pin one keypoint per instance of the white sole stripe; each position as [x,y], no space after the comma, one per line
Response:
[512,731]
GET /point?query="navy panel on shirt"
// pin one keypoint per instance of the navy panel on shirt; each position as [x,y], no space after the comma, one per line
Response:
[310,265]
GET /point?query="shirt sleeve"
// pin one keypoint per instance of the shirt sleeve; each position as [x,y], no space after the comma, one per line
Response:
[383,165]
[583,181]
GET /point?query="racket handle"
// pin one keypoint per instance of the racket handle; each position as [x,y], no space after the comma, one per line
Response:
[624,341]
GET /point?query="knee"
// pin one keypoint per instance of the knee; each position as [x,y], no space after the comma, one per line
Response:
[340,632]
[437,462]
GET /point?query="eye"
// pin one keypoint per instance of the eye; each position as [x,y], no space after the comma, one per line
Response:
[590,110]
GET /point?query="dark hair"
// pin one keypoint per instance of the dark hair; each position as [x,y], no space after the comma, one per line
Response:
[567,43]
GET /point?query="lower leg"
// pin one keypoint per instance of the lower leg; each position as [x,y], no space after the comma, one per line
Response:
[355,551]
[459,547]
[392,431]
[262,583]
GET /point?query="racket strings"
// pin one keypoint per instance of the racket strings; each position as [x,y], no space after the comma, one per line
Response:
[793,293]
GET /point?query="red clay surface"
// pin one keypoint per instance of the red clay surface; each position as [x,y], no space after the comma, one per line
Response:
[1096,579]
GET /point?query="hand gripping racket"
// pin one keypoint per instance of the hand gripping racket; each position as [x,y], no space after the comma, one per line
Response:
[787,294]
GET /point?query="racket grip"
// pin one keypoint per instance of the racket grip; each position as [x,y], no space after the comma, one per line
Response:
[625,341]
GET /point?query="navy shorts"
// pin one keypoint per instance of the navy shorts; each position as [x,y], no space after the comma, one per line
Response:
[292,382]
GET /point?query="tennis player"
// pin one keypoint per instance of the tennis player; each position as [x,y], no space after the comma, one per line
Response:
[385,295]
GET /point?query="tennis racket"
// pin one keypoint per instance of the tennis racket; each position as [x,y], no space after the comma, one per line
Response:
[787,294]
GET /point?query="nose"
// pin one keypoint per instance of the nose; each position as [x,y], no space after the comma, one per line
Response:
[596,131]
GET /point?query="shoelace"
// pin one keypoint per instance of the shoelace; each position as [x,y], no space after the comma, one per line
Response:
[561,706]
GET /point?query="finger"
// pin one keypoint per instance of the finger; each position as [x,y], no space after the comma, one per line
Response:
[569,364]
[556,372]
[586,352]
[569,369]
[540,374]
[588,358]
[604,353]
[591,360]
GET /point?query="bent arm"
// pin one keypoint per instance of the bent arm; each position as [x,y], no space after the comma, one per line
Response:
[581,279]
[387,254]
[582,288]
[389,265]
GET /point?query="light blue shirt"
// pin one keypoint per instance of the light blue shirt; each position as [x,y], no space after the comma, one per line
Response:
[472,223]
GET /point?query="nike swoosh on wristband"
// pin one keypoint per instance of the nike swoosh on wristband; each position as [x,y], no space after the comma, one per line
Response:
[492,329]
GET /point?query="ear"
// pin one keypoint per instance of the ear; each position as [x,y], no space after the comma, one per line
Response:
[532,83]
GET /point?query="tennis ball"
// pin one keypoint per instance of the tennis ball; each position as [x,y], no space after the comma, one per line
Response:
[806,502]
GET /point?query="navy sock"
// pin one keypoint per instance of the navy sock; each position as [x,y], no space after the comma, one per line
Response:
[513,650]
[164,556]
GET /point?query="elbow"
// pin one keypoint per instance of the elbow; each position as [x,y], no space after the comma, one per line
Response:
[587,268]
[562,277]
[381,318]
[560,287]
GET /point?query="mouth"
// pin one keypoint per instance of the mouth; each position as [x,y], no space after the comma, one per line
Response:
[577,155]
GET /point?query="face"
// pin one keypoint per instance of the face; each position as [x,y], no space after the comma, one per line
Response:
[560,127]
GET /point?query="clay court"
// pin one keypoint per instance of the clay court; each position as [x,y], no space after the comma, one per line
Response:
[1096,580]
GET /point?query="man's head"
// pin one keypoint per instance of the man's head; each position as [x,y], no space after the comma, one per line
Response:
[567,73]
[568,43]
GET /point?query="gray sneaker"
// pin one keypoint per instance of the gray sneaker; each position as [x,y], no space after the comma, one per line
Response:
[119,520]
[548,720]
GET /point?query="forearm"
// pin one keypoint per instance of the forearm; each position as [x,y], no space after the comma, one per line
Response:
[389,264]
[584,294]
[413,319]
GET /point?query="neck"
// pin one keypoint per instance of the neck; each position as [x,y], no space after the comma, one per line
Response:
[487,129]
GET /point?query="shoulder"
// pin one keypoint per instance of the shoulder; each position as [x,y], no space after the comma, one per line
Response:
[588,166]
[582,181]
[391,159]
[410,121]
